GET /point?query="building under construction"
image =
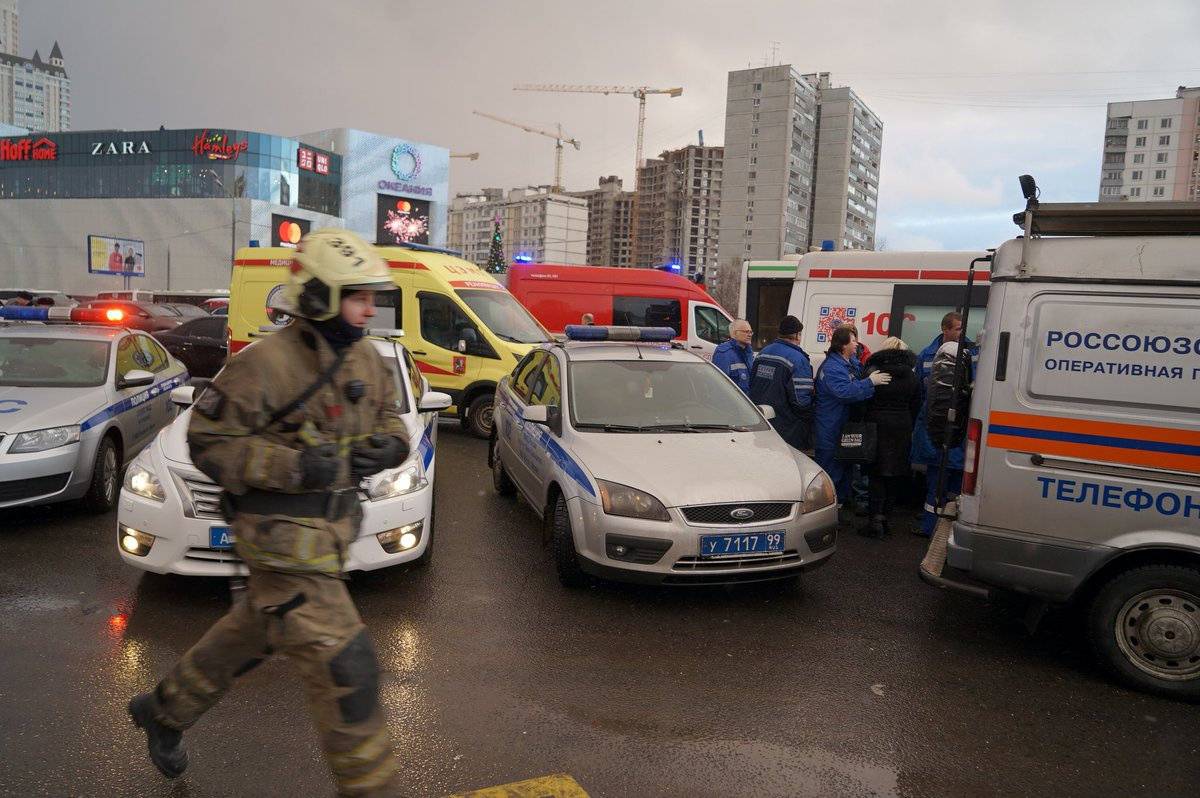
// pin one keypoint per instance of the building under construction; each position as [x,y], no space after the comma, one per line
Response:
[610,223]
[678,209]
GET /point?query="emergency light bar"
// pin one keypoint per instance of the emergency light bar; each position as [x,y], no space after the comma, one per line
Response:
[84,315]
[587,332]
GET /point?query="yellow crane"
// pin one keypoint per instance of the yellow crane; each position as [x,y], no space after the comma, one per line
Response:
[559,139]
[640,92]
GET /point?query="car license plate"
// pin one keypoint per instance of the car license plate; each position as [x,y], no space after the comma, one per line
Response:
[740,544]
[220,538]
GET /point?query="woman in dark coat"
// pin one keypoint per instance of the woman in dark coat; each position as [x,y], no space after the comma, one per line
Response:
[893,409]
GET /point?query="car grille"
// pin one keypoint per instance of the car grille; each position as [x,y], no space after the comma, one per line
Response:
[29,488]
[203,497]
[719,514]
[212,555]
[696,564]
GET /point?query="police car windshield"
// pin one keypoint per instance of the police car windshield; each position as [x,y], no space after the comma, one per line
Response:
[27,362]
[657,396]
[504,316]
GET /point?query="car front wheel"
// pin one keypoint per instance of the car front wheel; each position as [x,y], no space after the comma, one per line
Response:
[562,541]
[106,475]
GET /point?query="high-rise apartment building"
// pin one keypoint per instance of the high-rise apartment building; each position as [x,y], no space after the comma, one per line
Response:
[610,219]
[537,224]
[1152,149]
[34,94]
[678,210]
[801,166]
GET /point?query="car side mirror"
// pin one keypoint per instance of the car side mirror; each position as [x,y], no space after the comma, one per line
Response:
[537,414]
[433,401]
[183,396]
[767,411]
[135,378]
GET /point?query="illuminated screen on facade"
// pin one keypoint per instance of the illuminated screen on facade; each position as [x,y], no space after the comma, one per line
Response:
[401,220]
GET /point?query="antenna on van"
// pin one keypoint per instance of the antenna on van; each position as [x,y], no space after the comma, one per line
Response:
[1031,192]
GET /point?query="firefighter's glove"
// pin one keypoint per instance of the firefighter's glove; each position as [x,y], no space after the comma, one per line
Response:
[375,454]
[319,466]
[879,378]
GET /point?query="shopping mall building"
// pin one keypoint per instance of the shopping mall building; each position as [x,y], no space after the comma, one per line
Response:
[176,203]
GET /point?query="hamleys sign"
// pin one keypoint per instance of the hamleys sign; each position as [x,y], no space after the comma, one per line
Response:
[42,149]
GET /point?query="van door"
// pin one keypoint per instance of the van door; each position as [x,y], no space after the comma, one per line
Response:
[709,327]
[830,304]
[442,325]
[766,304]
[1093,424]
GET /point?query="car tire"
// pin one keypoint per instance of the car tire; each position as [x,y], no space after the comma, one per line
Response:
[478,420]
[106,478]
[562,542]
[501,481]
[1144,627]
[427,555]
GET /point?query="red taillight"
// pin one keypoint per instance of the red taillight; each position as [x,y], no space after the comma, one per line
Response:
[971,456]
[114,314]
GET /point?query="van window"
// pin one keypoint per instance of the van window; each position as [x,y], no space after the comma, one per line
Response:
[711,324]
[442,321]
[504,316]
[388,305]
[923,323]
[639,311]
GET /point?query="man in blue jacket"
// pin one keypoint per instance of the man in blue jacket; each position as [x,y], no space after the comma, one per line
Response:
[838,387]
[735,357]
[927,452]
[782,377]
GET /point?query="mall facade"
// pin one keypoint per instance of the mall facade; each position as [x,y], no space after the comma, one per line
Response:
[185,200]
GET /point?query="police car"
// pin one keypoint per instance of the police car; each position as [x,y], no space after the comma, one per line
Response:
[169,519]
[647,464]
[76,402]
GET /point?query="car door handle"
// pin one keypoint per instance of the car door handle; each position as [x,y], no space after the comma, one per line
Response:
[418,352]
[697,346]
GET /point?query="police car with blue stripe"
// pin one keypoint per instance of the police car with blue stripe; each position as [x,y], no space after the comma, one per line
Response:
[648,464]
[170,520]
[79,396]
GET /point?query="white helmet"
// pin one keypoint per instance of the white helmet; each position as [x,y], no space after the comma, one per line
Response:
[328,263]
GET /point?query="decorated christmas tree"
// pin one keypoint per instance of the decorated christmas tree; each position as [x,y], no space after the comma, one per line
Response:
[495,262]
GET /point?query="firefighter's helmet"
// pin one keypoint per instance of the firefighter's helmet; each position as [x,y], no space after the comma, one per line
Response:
[329,263]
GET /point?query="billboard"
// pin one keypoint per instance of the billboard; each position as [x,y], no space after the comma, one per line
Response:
[286,231]
[120,256]
[400,220]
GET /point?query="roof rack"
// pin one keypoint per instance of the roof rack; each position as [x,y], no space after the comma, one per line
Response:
[423,248]
[1109,219]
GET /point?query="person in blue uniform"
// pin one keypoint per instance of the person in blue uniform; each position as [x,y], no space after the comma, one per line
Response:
[735,357]
[782,377]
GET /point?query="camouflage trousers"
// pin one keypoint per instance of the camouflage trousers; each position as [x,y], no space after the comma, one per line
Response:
[310,619]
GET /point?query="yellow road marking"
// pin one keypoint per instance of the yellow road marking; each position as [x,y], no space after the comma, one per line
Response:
[558,785]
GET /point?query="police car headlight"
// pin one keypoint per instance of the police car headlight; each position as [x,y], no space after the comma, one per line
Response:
[398,483]
[630,502]
[42,439]
[141,480]
[820,493]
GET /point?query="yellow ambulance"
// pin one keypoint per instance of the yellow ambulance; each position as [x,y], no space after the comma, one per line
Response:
[464,329]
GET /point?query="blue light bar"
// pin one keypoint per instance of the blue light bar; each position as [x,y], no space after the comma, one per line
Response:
[588,332]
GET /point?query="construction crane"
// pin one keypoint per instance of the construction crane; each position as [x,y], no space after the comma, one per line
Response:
[470,156]
[557,135]
[637,91]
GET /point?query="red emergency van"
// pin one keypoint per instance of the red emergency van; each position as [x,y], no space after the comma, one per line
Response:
[561,295]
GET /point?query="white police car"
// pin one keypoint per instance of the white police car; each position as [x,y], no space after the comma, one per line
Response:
[647,464]
[76,402]
[169,519]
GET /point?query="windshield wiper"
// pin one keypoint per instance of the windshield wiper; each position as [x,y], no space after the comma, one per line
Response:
[688,427]
[611,427]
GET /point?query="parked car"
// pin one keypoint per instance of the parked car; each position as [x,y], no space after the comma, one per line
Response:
[199,342]
[185,310]
[141,315]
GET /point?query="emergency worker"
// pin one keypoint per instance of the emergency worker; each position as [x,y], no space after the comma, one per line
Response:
[289,429]
[734,357]
[782,377]
[838,387]
[925,451]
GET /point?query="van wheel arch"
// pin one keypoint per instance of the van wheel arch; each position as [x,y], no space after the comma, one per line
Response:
[1136,558]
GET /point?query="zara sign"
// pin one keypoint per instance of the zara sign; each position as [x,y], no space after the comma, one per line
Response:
[120,148]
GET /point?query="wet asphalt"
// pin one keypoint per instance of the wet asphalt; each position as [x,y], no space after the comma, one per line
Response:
[863,682]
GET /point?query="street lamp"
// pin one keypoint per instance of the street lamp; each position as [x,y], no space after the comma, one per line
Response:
[232,217]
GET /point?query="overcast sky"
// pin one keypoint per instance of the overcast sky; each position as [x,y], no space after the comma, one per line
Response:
[969,98]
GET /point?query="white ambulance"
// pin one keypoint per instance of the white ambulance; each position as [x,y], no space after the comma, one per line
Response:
[1083,443]
[905,294]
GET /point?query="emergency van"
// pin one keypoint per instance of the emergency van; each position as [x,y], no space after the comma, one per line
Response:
[904,294]
[558,296]
[1082,474]
[463,328]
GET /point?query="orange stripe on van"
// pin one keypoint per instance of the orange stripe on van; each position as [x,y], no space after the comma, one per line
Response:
[1105,454]
[407,264]
[1089,427]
